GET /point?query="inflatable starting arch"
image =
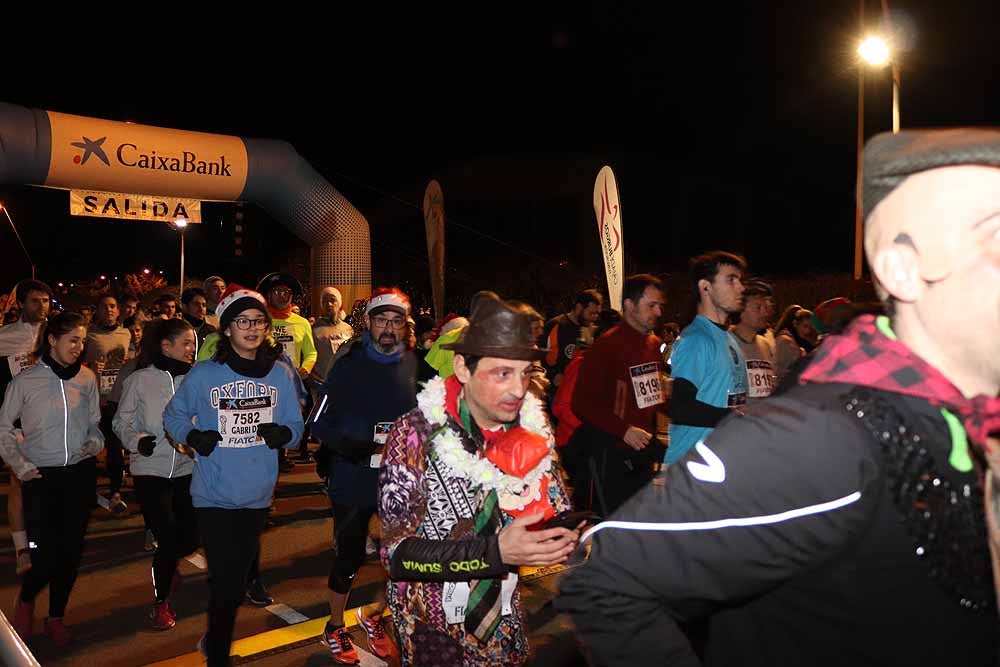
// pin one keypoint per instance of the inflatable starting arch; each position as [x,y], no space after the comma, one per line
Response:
[74,152]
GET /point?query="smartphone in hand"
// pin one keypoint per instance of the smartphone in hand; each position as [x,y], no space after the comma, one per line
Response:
[568,519]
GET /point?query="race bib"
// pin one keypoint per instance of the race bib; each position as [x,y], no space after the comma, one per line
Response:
[19,362]
[287,344]
[455,597]
[108,377]
[381,435]
[760,378]
[240,417]
[646,384]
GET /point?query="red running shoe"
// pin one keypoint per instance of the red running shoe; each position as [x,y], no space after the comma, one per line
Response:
[57,632]
[378,640]
[24,617]
[163,618]
[341,646]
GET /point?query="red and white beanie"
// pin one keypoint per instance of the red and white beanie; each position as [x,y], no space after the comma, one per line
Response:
[388,298]
[235,300]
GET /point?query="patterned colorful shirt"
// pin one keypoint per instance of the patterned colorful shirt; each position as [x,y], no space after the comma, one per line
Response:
[423,497]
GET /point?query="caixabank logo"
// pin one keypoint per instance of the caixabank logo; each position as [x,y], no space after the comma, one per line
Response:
[91,147]
[130,156]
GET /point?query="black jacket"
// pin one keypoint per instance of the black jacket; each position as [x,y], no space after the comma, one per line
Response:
[797,536]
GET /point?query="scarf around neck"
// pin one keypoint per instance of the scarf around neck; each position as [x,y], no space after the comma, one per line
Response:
[373,353]
[173,366]
[62,372]
[282,314]
[868,354]
[258,367]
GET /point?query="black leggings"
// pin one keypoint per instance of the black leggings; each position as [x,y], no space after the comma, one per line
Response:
[166,504]
[231,539]
[114,451]
[350,530]
[56,511]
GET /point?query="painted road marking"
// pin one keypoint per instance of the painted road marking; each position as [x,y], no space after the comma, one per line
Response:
[197,560]
[311,630]
[369,660]
[286,613]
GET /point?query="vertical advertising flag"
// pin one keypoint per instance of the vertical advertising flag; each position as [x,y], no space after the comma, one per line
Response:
[608,209]
[434,226]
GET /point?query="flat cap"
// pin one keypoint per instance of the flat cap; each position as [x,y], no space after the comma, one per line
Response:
[890,158]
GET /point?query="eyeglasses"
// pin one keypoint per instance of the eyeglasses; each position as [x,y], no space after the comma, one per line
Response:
[386,322]
[244,323]
[283,291]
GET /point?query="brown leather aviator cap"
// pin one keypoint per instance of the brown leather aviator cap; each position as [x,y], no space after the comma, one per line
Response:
[497,330]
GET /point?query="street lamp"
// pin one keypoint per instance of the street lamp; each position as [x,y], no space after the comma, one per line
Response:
[875,52]
[181,224]
[18,235]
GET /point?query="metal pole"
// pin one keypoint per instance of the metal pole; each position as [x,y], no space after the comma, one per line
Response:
[182,261]
[888,33]
[858,187]
[895,97]
[18,235]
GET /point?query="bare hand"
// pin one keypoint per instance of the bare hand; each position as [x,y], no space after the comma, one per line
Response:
[98,367]
[520,546]
[303,373]
[30,474]
[636,438]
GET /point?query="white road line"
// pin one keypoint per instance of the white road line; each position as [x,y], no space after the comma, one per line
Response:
[286,613]
[369,660]
[198,561]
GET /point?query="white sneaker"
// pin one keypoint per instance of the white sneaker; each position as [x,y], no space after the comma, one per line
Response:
[371,547]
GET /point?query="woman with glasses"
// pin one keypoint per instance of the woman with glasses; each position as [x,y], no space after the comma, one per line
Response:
[234,411]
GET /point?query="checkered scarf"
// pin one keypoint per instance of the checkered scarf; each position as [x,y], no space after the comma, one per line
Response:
[864,355]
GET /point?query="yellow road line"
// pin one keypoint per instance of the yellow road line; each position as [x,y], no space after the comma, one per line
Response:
[265,641]
[290,634]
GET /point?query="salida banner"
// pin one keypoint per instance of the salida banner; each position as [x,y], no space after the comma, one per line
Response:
[133,207]
[608,210]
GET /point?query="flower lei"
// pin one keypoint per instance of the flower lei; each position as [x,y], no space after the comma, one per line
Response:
[478,469]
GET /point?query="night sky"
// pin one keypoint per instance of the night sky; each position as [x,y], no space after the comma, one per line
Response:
[732,125]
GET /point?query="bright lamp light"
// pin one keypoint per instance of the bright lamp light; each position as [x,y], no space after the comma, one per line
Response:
[874,51]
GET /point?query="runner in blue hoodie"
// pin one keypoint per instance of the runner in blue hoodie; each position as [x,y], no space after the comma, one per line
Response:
[243,406]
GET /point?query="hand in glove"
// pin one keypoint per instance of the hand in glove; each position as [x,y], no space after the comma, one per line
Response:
[203,442]
[92,448]
[275,435]
[146,444]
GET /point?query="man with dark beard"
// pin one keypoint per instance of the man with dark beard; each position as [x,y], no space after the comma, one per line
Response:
[371,385]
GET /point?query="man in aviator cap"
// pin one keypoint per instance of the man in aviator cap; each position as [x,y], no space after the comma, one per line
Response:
[841,521]
[456,471]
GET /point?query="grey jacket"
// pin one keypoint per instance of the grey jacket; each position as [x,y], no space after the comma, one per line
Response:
[140,412]
[59,419]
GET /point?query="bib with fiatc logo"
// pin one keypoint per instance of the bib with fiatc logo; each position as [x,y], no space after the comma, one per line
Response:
[647,384]
[761,378]
[240,417]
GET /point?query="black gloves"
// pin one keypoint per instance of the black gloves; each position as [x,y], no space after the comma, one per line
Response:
[203,442]
[146,444]
[275,435]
